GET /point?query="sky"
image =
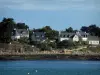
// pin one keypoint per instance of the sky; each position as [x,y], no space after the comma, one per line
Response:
[58,14]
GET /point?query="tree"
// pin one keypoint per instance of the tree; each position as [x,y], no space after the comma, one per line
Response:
[49,32]
[84,29]
[6,27]
[70,29]
[92,29]
[22,26]
[24,40]
[65,44]
[30,35]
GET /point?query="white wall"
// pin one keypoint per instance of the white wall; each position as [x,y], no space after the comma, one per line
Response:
[25,36]
[61,39]
[75,38]
[15,37]
[91,42]
[84,39]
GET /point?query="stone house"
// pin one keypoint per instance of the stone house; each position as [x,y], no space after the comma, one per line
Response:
[38,36]
[18,33]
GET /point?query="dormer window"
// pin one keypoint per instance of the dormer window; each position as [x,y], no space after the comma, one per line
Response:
[42,36]
[37,36]
[64,36]
[67,35]
[86,35]
[21,31]
[60,35]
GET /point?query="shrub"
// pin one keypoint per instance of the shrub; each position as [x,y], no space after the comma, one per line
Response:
[24,40]
[65,44]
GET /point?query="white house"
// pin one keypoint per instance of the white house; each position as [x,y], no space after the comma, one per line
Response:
[93,40]
[75,36]
[83,35]
[68,36]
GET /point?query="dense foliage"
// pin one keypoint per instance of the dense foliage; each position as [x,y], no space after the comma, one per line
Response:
[65,44]
[6,27]
[8,24]
[50,33]
[92,29]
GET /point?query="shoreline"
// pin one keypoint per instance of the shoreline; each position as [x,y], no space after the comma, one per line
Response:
[51,57]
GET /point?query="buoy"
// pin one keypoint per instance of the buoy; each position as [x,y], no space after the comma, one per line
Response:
[28,73]
[35,70]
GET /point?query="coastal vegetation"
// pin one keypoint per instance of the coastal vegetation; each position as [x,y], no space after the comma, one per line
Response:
[8,24]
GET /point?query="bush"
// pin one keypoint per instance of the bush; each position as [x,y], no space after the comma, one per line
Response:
[24,40]
[43,46]
[66,44]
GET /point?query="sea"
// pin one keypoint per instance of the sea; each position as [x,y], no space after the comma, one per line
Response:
[49,67]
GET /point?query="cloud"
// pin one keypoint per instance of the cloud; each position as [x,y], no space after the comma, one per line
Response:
[50,4]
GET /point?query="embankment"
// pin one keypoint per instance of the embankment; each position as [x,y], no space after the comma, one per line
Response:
[50,57]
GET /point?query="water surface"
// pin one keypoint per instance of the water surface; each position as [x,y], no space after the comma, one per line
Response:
[49,67]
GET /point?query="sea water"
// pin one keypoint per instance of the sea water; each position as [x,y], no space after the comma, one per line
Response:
[51,67]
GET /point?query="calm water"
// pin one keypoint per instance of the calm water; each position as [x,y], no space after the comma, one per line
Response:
[49,67]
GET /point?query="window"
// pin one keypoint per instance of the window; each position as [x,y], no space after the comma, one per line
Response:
[67,35]
[42,35]
[60,35]
[64,36]
[36,35]
[86,35]
[90,42]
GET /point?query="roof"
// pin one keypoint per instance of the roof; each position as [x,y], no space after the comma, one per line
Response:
[71,34]
[80,33]
[38,36]
[93,38]
[39,33]
[22,31]
[19,32]
[66,34]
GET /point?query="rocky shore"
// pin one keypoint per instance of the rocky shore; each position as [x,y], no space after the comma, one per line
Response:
[50,57]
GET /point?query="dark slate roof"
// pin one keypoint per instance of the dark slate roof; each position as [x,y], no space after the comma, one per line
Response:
[22,31]
[93,38]
[39,33]
[41,36]
[70,35]
[66,34]
[80,33]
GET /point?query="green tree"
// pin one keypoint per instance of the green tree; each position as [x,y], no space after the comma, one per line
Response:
[22,26]
[65,44]
[6,27]
[70,29]
[50,33]
[84,29]
[92,29]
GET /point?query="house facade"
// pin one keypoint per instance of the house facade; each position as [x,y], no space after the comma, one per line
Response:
[68,36]
[38,36]
[18,33]
[74,36]
[83,35]
[93,40]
